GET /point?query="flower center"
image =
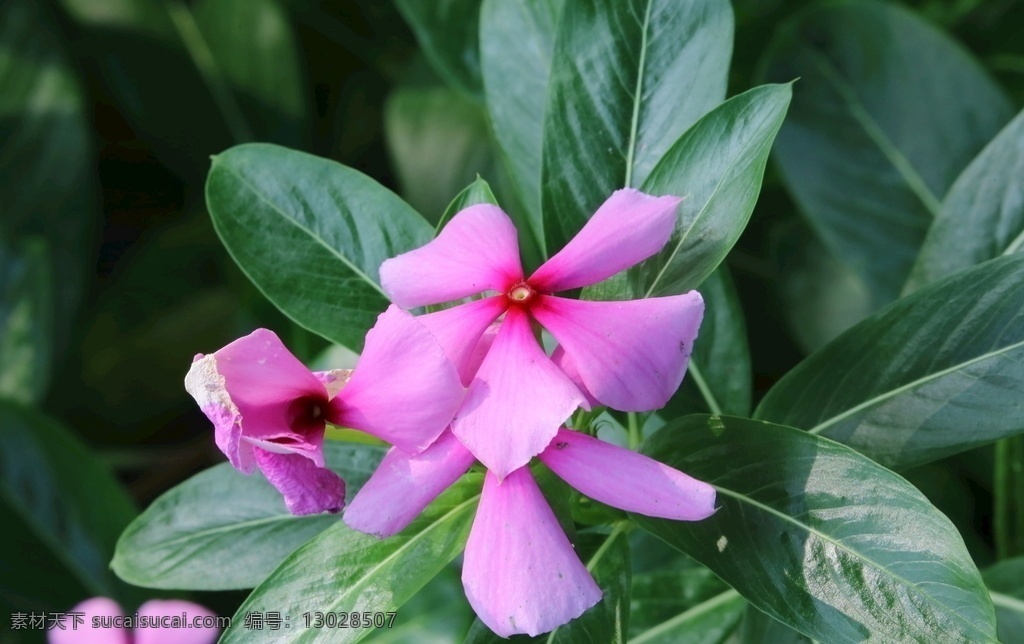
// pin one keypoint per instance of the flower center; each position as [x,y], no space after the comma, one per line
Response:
[306,414]
[521,293]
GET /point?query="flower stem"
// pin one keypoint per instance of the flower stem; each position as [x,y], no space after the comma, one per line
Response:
[633,428]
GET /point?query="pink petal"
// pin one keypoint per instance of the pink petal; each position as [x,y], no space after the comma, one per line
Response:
[630,355]
[628,228]
[459,329]
[564,362]
[175,613]
[80,630]
[307,489]
[520,572]
[478,250]
[404,389]
[254,387]
[517,401]
[624,479]
[404,484]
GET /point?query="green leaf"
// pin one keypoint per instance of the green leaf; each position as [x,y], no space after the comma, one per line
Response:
[820,297]
[674,598]
[47,188]
[448,34]
[517,43]
[311,234]
[475,193]
[253,48]
[719,376]
[930,375]
[628,77]
[709,622]
[820,537]
[1008,496]
[223,530]
[438,142]
[759,628]
[70,502]
[887,112]
[151,75]
[342,570]
[716,167]
[26,321]
[982,216]
[436,613]
[1005,582]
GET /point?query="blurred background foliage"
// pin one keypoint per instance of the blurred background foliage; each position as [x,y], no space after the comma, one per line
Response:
[112,278]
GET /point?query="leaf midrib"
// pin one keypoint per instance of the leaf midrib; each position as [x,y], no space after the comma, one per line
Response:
[683,617]
[637,96]
[877,135]
[315,237]
[871,402]
[911,587]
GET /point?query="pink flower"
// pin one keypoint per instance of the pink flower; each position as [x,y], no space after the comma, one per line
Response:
[627,355]
[101,621]
[520,572]
[269,411]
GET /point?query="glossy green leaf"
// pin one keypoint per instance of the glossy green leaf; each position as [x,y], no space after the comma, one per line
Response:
[628,77]
[435,614]
[438,142]
[759,628]
[887,112]
[674,598]
[1005,582]
[821,537]
[517,42]
[932,374]
[26,321]
[709,622]
[344,570]
[716,167]
[70,502]
[254,50]
[311,234]
[1008,496]
[982,216]
[184,538]
[475,193]
[448,34]
[46,158]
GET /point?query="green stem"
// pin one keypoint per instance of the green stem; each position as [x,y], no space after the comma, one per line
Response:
[633,427]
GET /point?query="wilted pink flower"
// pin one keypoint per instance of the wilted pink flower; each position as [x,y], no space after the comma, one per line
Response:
[521,573]
[101,621]
[627,355]
[269,411]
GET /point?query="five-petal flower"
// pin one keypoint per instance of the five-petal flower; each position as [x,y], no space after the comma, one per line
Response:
[628,355]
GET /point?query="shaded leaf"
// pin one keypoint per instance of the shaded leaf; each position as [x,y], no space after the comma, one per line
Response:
[887,113]
[447,31]
[1005,581]
[982,216]
[820,537]
[184,538]
[72,505]
[26,321]
[475,193]
[709,622]
[1008,496]
[932,374]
